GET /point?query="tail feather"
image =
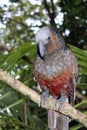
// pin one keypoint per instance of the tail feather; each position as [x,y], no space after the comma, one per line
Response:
[57,121]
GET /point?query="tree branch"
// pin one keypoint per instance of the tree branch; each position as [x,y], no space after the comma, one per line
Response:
[27,58]
[47,7]
[53,9]
[65,108]
[25,113]
[51,12]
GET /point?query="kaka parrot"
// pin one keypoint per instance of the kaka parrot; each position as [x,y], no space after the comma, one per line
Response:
[55,71]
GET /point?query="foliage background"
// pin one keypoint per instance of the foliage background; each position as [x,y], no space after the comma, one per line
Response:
[20,20]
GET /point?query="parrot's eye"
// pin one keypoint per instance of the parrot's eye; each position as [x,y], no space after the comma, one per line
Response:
[48,38]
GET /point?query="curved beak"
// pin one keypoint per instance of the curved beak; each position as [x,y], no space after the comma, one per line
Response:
[41,50]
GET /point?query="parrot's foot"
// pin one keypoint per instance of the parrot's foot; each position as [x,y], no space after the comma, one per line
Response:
[44,94]
[62,99]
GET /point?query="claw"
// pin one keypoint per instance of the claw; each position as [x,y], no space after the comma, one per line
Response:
[62,99]
[44,94]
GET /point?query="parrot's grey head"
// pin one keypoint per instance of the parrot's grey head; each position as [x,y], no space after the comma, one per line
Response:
[48,40]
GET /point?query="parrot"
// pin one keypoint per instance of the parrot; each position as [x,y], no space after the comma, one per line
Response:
[56,71]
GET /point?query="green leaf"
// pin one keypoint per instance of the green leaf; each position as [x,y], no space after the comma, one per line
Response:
[78,51]
[82,63]
[14,104]
[76,127]
[16,54]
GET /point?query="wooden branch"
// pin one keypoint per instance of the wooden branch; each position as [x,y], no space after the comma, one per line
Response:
[47,8]
[53,9]
[65,108]
[50,11]
[25,113]
[28,59]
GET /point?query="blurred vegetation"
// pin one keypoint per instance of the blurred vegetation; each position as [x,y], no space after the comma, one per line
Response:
[20,20]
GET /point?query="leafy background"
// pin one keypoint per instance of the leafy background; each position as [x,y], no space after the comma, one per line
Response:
[20,20]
